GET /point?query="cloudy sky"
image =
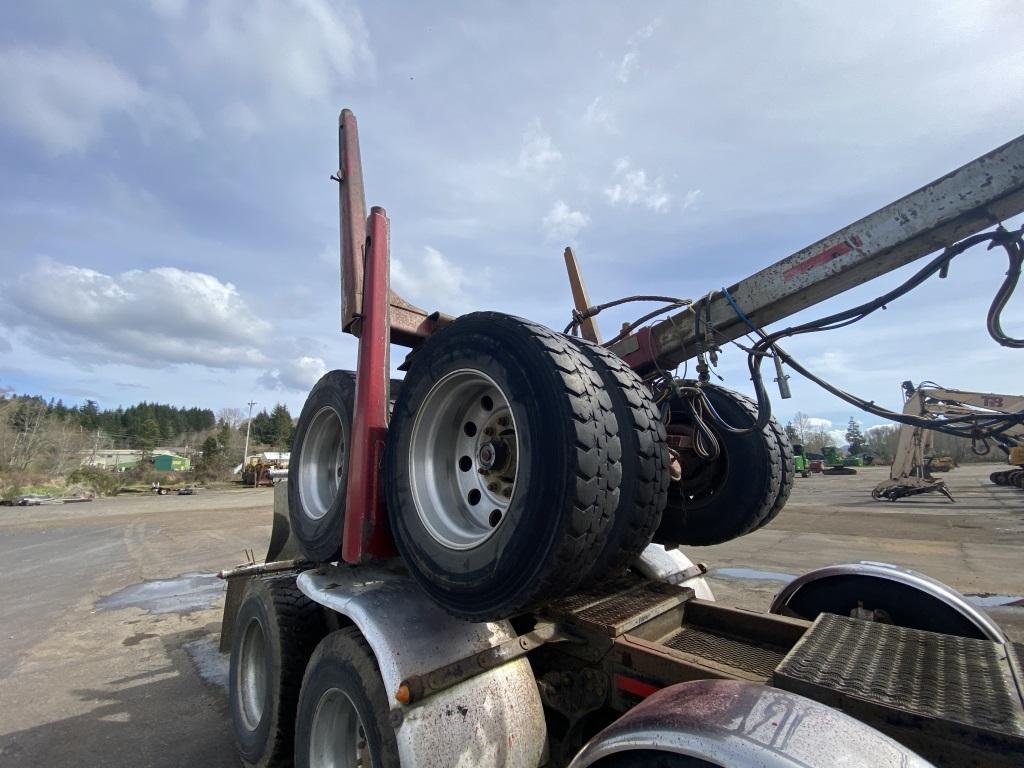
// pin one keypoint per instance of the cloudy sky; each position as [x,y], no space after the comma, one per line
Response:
[170,231]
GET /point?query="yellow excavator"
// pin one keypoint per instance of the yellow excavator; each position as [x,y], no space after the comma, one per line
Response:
[909,475]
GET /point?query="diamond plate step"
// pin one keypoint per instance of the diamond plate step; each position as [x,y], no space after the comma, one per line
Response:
[908,676]
[618,608]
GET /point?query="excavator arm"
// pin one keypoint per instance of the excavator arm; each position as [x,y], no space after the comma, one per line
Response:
[907,476]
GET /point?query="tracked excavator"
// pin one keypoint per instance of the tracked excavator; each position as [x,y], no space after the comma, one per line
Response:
[909,475]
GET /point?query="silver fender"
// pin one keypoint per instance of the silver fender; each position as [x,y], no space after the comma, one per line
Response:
[894,573]
[493,719]
[672,566]
[727,722]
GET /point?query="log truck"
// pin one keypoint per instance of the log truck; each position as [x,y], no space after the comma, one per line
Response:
[481,566]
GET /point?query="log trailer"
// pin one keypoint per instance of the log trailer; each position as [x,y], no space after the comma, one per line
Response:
[479,565]
[909,475]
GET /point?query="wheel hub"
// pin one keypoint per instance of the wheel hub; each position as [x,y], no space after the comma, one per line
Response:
[463,459]
[337,736]
[252,679]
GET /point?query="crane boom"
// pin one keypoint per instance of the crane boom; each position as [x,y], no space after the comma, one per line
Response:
[961,203]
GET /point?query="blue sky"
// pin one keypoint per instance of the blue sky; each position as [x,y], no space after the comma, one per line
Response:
[170,230]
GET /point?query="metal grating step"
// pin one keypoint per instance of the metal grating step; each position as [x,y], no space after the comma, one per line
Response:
[614,612]
[756,658]
[907,672]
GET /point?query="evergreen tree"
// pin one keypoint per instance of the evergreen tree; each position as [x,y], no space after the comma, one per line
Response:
[792,434]
[854,437]
[149,434]
[282,428]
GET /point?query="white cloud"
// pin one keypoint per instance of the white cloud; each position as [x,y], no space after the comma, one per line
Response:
[299,50]
[629,64]
[538,152]
[169,9]
[691,197]
[632,187]
[62,98]
[599,115]
[644,32]
[147,318]
[432,282]
[563,223]
[627,67]
[818,423]
[299,374]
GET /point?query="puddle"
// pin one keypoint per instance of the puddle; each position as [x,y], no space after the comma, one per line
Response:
[210,663]
[749,574]
[989,600]
[184,594]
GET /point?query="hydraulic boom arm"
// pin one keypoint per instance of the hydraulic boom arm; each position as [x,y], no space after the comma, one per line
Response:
[964,202]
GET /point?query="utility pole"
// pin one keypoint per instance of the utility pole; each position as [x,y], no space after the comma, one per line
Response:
[248,426]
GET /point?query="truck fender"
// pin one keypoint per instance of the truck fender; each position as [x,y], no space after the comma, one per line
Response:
[492,719]
[734,723]
[927,603]
[670,565]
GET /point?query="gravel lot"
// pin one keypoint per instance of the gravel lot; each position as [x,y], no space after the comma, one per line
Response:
[109,613]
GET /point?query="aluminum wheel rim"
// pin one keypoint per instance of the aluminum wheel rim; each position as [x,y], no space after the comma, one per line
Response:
[321,462]
[463,459]
[252,676]
[337,738]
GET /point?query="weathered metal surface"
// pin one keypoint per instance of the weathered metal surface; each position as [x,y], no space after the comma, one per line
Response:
[366,531]
[409,324]
[352,213]
[966,201]
[417,687]
[733,723]
[492,719]
[618,608]
[759,659]
[920,686]
[580,299]
[232,599]
[894,573]
[673,567]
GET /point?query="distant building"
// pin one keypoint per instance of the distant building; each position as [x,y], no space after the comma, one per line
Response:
[111,458]
[120,459]
[170,462]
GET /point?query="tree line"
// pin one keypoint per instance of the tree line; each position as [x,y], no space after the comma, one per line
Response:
[49,437]
[879,441]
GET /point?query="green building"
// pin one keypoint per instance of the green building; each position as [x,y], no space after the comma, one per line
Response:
[169,462]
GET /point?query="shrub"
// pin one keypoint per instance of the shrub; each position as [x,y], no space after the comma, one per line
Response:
[102,482]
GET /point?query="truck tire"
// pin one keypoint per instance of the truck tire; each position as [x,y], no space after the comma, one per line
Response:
[499,467]
[318,466]
[343,707]
[643,490]
[787,474]
[720,500]
[276,629]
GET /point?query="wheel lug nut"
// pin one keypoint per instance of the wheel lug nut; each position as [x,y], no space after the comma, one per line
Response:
[492,487]
[507,493]
[489,431]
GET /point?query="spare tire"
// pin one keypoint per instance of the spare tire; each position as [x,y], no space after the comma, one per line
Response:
[721,499]
[643,490]
[499,466]
[318,466]
[787,472]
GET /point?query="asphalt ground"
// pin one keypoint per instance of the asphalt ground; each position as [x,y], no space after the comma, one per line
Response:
[109,613]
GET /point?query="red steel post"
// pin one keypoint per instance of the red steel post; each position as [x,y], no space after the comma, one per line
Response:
[366,533]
